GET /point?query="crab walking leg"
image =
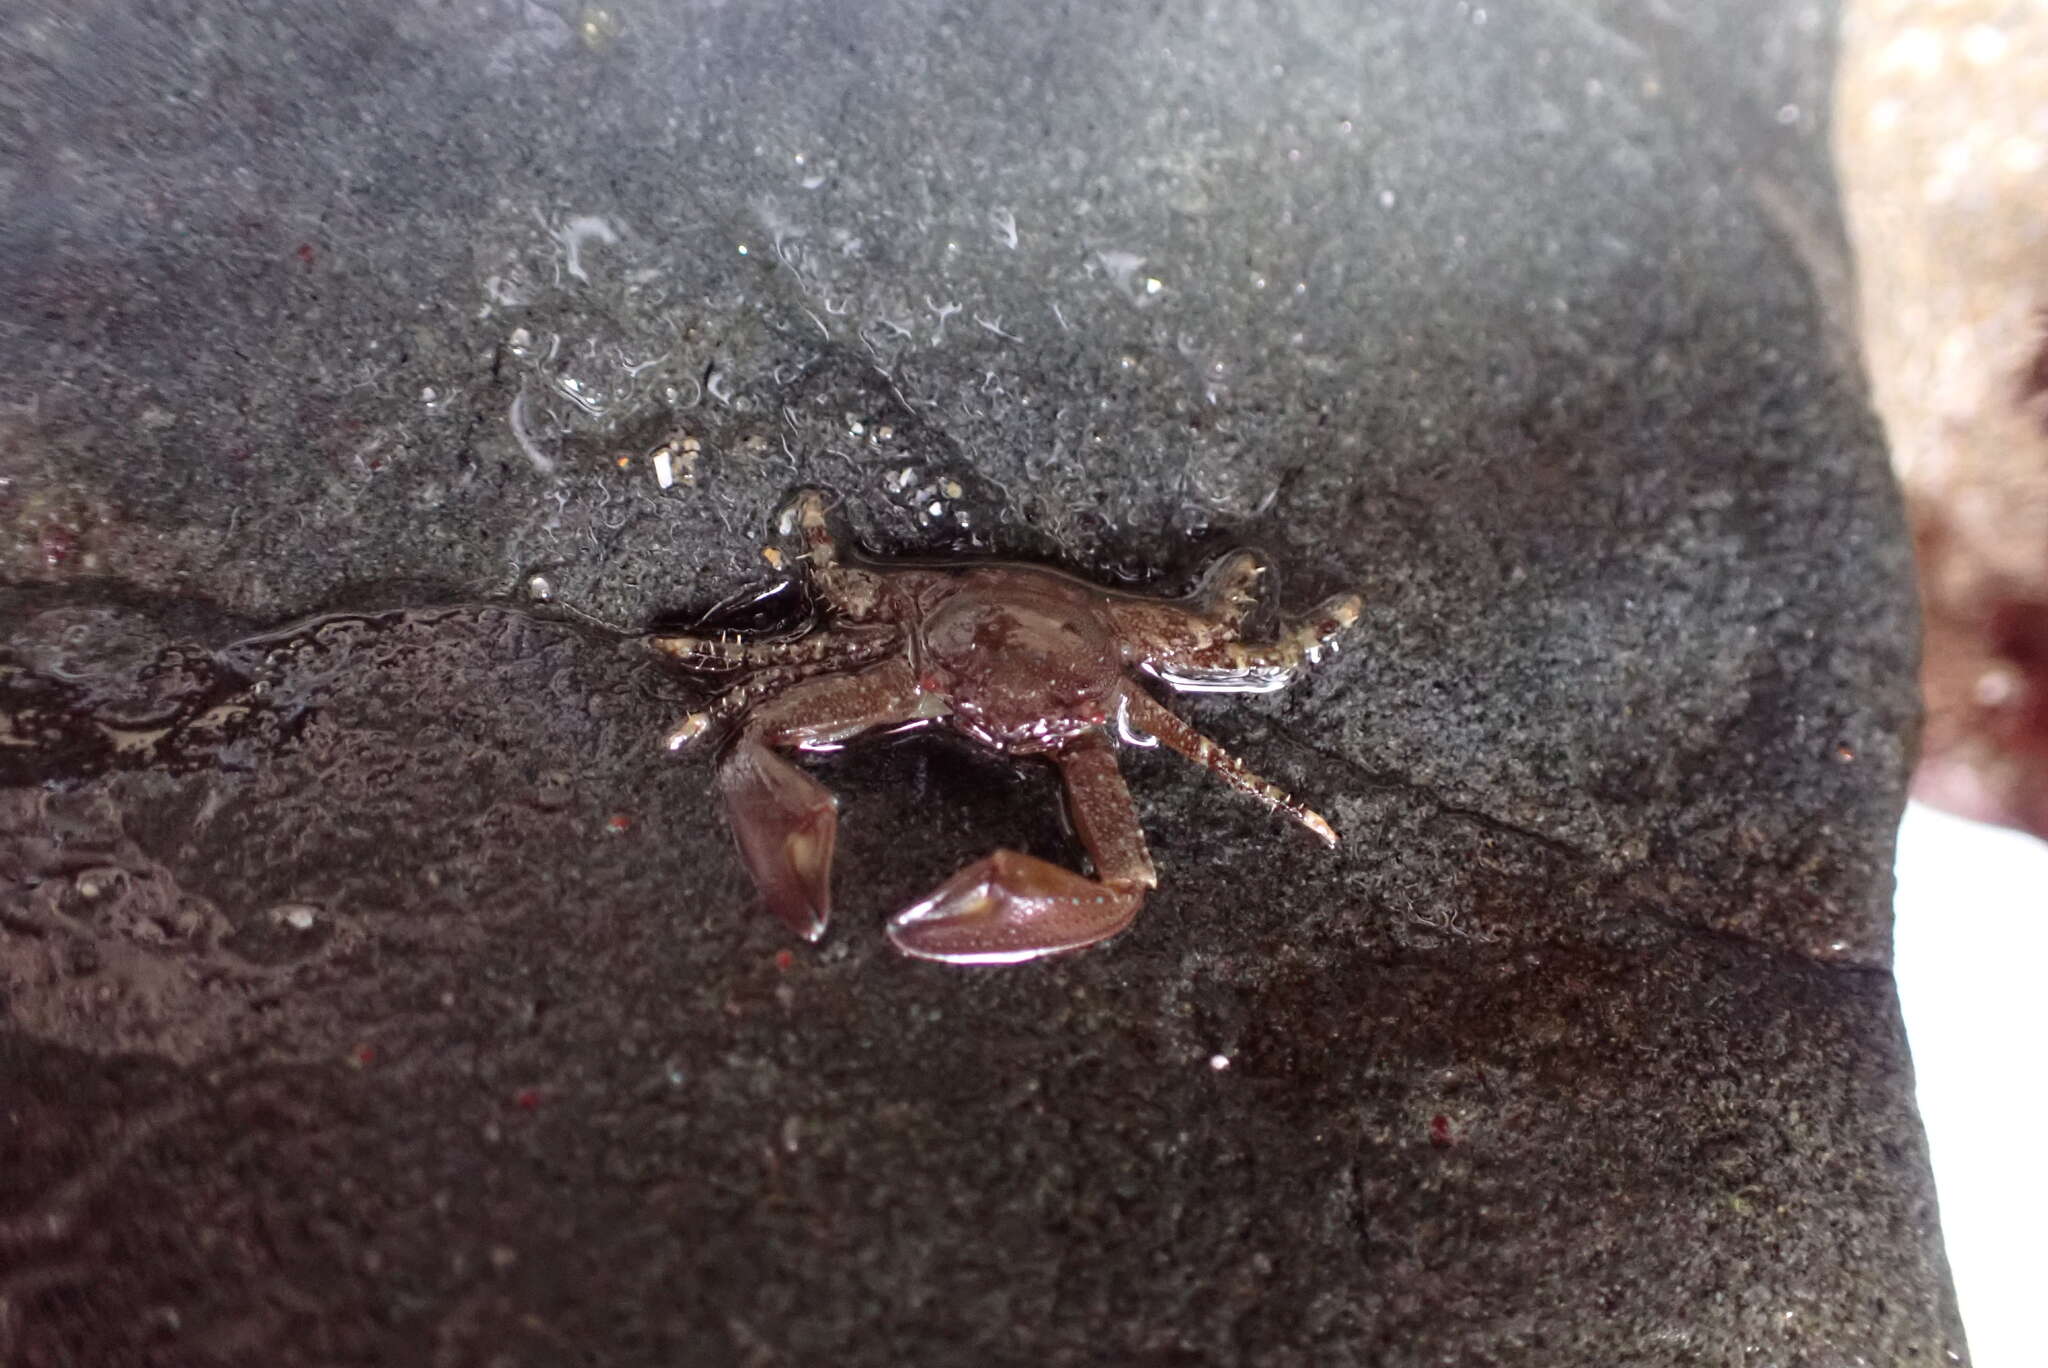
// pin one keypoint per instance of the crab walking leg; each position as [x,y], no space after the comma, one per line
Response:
[815,527]
[730,705]
[1213,614]
[1253,666]
[855,594]
[840,646]
[1148,715]
[1195,645]
[1009,907]
[784,820]
[1104,816]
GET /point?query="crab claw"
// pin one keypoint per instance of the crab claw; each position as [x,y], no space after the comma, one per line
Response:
[1010,907]
[1229,589]
[785,822]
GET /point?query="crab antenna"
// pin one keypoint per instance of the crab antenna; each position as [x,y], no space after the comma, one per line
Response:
[1150,717]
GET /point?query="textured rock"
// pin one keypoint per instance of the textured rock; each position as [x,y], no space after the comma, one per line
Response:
[376,990]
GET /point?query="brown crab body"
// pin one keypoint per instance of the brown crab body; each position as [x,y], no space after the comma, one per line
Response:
[1026,661]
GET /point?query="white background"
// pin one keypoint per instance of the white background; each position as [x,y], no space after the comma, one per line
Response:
[1972,949]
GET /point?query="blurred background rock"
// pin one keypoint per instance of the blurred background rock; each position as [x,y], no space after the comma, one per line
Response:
[1943,143]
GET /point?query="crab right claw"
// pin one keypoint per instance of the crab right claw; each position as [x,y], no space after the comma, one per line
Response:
[785,822]
[1229,589]
[1009,907]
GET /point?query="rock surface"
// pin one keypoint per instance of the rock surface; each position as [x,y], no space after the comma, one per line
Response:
[376,990]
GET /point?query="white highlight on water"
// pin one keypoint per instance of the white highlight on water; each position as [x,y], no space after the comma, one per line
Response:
[577,231]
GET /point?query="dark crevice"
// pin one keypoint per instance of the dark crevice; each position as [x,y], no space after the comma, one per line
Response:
[1389,781]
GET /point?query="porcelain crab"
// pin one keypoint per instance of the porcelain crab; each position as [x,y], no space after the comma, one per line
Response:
[1024,660]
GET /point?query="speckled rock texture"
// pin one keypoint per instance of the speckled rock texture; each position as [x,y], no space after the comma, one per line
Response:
[373,989]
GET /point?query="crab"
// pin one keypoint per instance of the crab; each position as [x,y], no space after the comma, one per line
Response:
[1023,660]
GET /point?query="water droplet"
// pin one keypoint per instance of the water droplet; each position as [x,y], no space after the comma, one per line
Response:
[598,28]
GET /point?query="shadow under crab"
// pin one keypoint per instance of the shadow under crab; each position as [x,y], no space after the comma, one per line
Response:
[1023,660]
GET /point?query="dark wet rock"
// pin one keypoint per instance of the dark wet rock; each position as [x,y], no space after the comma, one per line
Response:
[376,990]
